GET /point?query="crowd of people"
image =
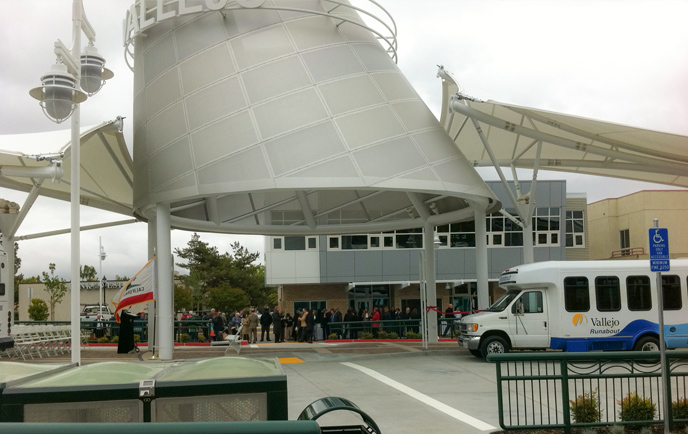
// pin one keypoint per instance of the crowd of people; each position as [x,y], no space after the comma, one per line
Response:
[306,325]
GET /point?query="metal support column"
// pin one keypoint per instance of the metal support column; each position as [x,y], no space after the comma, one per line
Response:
[165,285]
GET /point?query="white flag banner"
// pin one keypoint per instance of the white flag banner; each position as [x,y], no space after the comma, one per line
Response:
[140,289]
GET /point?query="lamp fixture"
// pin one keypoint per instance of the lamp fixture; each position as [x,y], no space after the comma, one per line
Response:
[58,93]
[93,71]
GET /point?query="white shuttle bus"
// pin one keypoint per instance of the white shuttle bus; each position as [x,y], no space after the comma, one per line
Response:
[581,306]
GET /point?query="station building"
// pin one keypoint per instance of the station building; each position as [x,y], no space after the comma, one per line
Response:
[382,269]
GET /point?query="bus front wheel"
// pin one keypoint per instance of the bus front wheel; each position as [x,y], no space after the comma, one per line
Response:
[493,345]
[646,343]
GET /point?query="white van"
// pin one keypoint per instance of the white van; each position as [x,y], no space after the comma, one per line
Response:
[581,306]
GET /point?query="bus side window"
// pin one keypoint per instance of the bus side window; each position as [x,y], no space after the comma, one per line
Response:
[531,302]
[671,287]
[638,293]
[576,294]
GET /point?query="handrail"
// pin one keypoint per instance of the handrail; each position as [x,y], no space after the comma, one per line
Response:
[389,39]
[566,390]
[630,251]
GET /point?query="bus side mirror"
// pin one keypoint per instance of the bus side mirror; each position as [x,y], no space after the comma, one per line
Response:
[519,309]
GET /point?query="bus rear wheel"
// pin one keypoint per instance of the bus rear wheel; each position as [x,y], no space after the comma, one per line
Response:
[493,345]
[647,343]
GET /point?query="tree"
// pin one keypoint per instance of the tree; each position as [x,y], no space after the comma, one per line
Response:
[125,278]
[38,310]
[227,299]
[56,287]
[182,298]
[88,273]
[210,269]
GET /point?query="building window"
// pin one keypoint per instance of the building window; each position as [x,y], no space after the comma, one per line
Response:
[318,305]
[409,239]
[638,293]
[354,242]
[625,242]
[575,229]
[457,234]
[546,227]
[277,243]
[608,293]
[312,243]
[576,294]
[671,287]
[333,243]
[294,243]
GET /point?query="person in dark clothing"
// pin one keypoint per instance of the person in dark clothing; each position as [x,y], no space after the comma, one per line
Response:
[310,325]
[449,313]
[348,316]
[415,315]
[277,325]
[265,321]
[218,326]
[288,327]
[126,333]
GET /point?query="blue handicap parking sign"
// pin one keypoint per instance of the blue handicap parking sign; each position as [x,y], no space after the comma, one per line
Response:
[659,249]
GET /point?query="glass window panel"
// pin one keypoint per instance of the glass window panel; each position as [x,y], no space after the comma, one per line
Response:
[576,294]
[578,214]
[514,239]
[578,226]
[497,239]
[463,226]
[443,240]
[554,223]
[312,242]
[569,226]
[569,214]
[607,293]
[554,238]
[409,241]
[443,228]
[462,240]
[334,243]
[277,243]
[542,238]
[354,242]
[638,293]
[579,240]
[541,224]
[671,288]
[569,240]
[374,241]
[294,243]
[497,224]
[389,241]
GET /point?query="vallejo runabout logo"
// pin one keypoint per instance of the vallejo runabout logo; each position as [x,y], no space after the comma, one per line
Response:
[578,319]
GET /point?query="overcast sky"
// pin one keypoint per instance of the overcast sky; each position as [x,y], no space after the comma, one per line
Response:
[619,61]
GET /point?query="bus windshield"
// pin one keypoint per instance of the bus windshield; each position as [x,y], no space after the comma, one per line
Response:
[504,301]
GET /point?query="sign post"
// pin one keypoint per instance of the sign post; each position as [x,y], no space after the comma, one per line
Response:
[659,261]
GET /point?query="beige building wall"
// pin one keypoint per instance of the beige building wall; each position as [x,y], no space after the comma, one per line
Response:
[635,212]
[89,296]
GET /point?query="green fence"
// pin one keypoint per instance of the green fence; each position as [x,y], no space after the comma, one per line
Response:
[565,390]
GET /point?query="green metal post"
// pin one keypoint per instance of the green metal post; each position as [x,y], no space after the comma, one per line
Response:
[563,365]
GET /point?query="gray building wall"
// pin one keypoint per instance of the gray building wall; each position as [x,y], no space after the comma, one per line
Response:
[398,265]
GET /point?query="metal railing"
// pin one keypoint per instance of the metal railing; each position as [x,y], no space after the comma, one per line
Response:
[566,390]
[199,330]
[630,251]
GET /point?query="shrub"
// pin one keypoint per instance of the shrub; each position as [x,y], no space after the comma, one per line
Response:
[634,407]
[457,333]
[367,335]
[115,339]
[332,336]
[393,335]
[103,340]
[201,338]
[585,408]
[679,409]
[383,335]
[413,335]
[184,338]
[38,310]
[137,338]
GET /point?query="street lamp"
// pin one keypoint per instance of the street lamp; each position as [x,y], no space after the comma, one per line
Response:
[60,94]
